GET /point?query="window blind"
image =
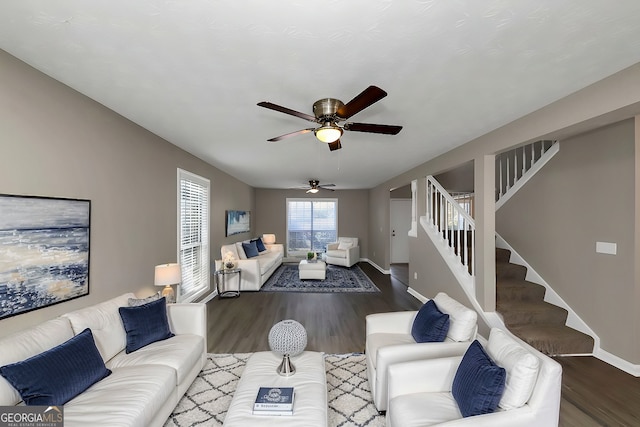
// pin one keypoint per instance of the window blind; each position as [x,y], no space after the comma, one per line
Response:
[193,238]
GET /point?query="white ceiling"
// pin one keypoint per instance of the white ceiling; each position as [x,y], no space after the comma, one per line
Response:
[193,71]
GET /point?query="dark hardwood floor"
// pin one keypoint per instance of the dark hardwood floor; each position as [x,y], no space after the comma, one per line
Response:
[593,392]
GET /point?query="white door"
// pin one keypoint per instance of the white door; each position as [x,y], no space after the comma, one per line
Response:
[399,227]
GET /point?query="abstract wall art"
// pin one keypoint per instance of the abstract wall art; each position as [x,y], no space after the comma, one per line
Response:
[44,252]
[238,222]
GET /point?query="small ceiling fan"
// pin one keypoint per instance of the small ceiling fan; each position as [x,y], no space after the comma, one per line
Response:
[329,112]
[315,186]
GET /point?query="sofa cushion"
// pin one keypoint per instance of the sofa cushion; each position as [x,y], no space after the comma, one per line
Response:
[180,353]
[130,396]
[135,302]
[240,250]
[267,260]
[250,249]
[104,321]
[430,324]
[521,366]
[479,383]
[29,342]
[462,320]
[59,374]
[145,324]
[335,253]
[423,409]
[343,246]
[259,244]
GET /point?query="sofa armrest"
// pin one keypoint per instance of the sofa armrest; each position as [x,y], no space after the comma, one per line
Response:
[423,376]
[276,247]
[190,318]
[396,322]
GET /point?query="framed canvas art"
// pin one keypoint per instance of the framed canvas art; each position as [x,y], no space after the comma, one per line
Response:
[238,222]
[44,252]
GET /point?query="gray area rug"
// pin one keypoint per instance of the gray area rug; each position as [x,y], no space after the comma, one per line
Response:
[207,400]
[338,279]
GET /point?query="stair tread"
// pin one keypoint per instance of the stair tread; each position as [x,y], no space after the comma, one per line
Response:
[529,306]
[555,339]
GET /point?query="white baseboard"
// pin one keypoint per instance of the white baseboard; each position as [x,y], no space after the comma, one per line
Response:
[618,362]
[417,295]
[377,267]
[209,297]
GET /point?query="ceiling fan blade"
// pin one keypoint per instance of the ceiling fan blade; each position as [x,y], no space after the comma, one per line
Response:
[369,96]
[373,128]
[335,145]
[275,107]
[287,135]
[325,188]
[326,185]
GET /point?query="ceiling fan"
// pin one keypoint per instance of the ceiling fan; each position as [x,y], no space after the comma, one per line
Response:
[315,186]
[329,112]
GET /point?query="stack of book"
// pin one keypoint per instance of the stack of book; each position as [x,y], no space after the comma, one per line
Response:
[274,401]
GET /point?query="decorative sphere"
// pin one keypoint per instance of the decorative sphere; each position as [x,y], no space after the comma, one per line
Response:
[287,337]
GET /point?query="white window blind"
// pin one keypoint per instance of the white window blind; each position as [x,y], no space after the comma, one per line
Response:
[311,224]
[193,235]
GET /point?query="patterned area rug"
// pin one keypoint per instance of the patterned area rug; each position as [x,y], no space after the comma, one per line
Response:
[207,400]
[338,279]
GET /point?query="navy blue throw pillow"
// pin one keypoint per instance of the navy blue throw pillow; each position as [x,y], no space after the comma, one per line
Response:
[250,249]
[430,324]
[145,324]
[259,244]
[59,374]
[479,383]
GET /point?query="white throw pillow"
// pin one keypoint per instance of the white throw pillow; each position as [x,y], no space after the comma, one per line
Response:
[343,246]
[462,320]
[521,365]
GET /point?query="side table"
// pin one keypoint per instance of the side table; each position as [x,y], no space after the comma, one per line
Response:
[223,285]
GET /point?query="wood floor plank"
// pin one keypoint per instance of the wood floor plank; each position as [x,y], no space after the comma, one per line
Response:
[593,392]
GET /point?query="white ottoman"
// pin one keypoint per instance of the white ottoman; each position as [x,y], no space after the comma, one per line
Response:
[312,270]
[309,382]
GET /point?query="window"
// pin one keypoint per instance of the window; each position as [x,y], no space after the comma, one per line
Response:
[311,224]
[193,235]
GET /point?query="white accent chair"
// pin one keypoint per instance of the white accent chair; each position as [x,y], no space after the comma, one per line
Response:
[344,252]
[389,341]
[420,391]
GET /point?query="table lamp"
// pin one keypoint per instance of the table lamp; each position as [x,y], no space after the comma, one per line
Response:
[167,275]
[287,338]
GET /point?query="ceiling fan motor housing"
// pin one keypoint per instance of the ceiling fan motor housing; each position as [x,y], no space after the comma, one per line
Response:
[326,109]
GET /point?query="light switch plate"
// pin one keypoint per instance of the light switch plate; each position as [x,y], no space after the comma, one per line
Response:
[606,248]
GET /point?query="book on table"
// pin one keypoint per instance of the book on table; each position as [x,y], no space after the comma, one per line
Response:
[274,401]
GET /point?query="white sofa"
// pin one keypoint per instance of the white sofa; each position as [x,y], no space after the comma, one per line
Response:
[420,392]
[344,252]
[389,341]
[255,270]
[144,386]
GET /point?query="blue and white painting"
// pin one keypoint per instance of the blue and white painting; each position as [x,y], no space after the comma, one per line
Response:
[44,252]
[238,222]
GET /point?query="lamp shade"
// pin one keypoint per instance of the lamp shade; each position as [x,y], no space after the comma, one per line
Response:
[167,274]
[287,337]
[328,133]
[268,239]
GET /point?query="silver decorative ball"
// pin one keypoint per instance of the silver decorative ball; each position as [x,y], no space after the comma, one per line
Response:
[287,337]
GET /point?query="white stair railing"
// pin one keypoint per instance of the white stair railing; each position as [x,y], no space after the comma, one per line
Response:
[515,167]
[454,224]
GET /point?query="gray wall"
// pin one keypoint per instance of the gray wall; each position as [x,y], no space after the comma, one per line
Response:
[58,143]
[353,215]
[583,195]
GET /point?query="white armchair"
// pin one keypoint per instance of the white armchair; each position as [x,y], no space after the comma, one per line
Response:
[389,341]
[344,252]
[420,391]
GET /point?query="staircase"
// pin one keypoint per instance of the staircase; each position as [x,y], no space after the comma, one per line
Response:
[528,316]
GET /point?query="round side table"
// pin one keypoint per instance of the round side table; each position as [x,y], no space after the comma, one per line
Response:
[223,284]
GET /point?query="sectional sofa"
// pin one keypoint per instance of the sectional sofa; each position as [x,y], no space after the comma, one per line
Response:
[97,345]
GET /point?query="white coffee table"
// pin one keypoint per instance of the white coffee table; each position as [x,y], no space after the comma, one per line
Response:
[309,382]
[312,270]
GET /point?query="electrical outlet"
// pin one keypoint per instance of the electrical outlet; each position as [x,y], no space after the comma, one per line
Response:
[415,275]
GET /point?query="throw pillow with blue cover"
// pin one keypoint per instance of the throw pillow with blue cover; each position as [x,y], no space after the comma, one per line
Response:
[57,375]
[250,249]
[145,324]
[260,244]
[479,383]
[430,324]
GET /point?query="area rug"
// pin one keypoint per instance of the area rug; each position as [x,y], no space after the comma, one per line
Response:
[207,400]
[338,279]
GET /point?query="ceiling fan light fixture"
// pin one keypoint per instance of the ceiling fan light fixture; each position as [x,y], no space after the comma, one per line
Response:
[313,190]
[328,132]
